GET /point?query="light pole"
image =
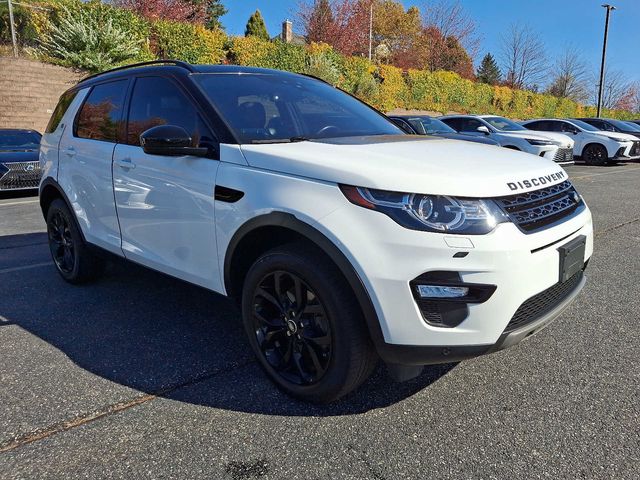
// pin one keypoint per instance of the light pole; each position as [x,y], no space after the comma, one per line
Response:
[12,26]
[604,54]
[370,29]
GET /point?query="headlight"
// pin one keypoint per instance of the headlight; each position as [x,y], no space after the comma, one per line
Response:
[617,139]
[534,141]
[431,213]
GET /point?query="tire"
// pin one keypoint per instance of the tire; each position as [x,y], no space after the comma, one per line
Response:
[595,154]
[304,325]
[73,260]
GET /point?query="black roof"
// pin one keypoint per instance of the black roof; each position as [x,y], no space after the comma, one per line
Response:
[176,67]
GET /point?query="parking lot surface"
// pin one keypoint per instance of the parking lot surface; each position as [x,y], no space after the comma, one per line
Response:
[143,376]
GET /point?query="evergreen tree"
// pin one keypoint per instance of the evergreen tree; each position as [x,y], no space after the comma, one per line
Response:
[256,27]
[215,9]
[489,71]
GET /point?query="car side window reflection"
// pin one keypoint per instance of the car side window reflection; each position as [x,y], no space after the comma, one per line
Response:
[158,101]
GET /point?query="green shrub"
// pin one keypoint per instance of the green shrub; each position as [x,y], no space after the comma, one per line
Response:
[251,51]
[187,42]
[324,62]
[26,33]
[357,78]
[84,39]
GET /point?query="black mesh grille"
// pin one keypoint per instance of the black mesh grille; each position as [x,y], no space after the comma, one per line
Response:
[532,211]
[563,155]
[635,149]
[20,175]
[543,302]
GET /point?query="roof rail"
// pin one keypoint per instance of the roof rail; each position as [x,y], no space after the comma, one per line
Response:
[177,63]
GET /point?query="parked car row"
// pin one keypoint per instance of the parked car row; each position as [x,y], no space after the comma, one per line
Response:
[595,141]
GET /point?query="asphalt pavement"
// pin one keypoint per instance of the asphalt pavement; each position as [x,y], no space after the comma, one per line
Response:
[143,376]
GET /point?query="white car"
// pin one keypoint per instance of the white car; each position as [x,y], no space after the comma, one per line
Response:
[593,146]
[509,134]
[343,240]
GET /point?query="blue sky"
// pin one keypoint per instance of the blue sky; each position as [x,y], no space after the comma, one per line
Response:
[560,22]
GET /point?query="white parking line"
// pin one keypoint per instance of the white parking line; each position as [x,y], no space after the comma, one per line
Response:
[25,267]
[17,203]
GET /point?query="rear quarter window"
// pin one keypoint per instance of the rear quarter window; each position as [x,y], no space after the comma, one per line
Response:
[62,107]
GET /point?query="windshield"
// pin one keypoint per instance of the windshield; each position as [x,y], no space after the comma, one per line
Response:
[504,124]
[272,108]
[624,126]
[584,125]
[430,126]
[19,140]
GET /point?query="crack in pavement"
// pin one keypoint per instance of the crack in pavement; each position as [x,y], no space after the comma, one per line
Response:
[599,233]
[114,408]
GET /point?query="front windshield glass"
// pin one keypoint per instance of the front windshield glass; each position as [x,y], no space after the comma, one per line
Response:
[272,108]
[430,126]
[584,125]
[625,126]
[503,124]
[19,140]
[633,125]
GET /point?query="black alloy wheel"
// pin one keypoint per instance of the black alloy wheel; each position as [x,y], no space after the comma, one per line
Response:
[595,155]
[61,242]
[292,328]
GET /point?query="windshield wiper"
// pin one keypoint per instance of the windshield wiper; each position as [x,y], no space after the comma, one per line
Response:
[280,140]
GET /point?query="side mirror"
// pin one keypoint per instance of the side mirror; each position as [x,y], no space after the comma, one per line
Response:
[169,140]
[483,129]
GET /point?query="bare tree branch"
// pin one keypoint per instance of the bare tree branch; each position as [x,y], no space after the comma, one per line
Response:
[450,18]
[523,57]
[570,77]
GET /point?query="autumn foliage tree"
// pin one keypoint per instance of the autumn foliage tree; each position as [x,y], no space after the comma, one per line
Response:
[176,10]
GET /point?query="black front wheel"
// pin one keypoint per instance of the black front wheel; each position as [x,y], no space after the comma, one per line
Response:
[595,154]
[73,260]
[305,326]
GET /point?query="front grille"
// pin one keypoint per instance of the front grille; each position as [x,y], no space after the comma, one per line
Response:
[544,302]
[20,175]
[563,155]
[532,211]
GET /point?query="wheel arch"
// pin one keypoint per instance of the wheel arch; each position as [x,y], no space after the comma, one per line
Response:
[592,143]
[268,231]
[51,190]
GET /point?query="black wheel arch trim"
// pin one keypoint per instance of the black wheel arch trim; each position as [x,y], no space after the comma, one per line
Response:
[50,182]
[289,221]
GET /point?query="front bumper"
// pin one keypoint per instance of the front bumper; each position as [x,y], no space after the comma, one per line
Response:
[387,257]
[20,175]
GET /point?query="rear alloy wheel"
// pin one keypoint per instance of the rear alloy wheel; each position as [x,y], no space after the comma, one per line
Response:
[73,260]
[595,154]
[304,325]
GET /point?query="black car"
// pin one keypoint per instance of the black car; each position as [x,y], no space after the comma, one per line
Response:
[426,125]
[612,125]
[19,164]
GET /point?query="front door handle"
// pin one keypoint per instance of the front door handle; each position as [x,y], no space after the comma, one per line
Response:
[125,163]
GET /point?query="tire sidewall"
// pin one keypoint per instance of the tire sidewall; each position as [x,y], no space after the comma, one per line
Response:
[317,277]
[58,206]
[593,147]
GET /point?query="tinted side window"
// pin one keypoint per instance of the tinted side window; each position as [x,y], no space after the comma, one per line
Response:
[454,123]
[158,101]
[101,113]
[60,110]
[534,126]
[470,125]
[565,127]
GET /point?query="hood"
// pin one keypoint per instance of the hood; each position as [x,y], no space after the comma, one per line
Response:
[560,139]
[18,156]
[467,138]
[525,134]
[620,137]
[408,164]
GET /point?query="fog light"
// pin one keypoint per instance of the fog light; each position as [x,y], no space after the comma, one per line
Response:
[438,291]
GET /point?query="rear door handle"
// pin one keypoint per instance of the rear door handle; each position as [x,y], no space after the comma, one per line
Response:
[125,163]
[70,151]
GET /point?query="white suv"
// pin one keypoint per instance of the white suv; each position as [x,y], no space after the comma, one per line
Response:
[343,239]
[509,134]
[593,146]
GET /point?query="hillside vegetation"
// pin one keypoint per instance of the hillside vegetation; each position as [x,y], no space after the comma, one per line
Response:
[94,36]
